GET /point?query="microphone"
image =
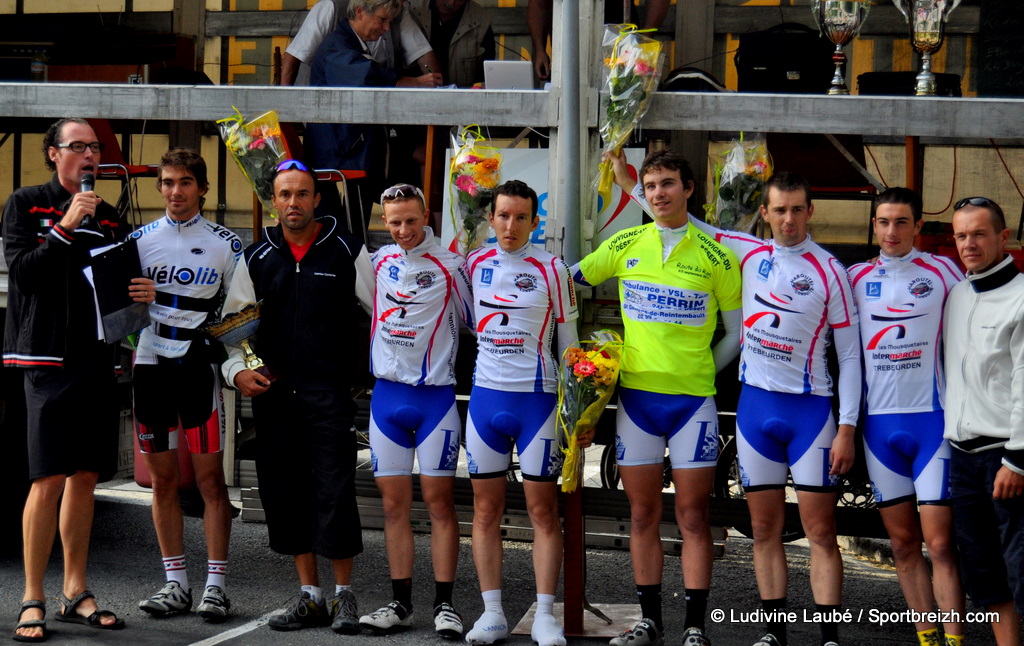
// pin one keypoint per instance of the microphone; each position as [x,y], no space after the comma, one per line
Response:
[88,183]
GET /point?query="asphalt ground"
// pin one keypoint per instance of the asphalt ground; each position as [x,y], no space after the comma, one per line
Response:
[124,567]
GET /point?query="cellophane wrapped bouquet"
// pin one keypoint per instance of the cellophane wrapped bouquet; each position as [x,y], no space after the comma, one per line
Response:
[258,147]
[740,176]
[633,67]
[474,174]
[586,381]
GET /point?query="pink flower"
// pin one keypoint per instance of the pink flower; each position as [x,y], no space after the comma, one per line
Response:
[643,69]
[466,184]
[258,144]
[584,369]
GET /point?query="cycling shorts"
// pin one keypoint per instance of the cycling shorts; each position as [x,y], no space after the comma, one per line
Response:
[410,420]
[185,395]
[907,456]
[778,433]
[649,422]
[498,419]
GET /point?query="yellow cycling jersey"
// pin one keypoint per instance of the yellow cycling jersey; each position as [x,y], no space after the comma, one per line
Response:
[669,308]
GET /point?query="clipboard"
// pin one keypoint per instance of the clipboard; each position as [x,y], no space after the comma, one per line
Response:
[112,271]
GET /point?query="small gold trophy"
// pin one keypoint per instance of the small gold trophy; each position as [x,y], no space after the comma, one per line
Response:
[927,19]
[238,329]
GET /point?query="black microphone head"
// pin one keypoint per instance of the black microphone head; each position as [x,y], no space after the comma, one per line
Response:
[88,182]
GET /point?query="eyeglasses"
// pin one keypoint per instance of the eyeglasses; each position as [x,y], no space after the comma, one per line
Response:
[291,164]
[401,191]
[80,146]
[973,201]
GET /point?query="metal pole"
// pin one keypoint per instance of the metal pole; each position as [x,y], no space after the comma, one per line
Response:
[568,152]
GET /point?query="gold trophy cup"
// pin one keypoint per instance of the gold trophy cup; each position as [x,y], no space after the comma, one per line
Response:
[238,329]
[927,19]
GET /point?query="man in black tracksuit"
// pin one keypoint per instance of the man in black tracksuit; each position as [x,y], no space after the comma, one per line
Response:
[70,392]
[303,272]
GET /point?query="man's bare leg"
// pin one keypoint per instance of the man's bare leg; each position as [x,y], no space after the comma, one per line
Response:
[39,528]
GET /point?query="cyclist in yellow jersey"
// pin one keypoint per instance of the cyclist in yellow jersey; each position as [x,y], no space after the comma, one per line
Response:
[674,282]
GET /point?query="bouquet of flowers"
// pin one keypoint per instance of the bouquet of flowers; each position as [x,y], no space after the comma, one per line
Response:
[740,176]
[586,381]
[258,147]
[633,70]
[475,172]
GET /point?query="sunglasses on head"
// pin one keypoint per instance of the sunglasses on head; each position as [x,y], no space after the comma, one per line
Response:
[291,164]
[401,191]
[973,201]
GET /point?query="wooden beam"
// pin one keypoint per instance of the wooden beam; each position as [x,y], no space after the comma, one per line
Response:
[318,105]
[891,115]
[942,118]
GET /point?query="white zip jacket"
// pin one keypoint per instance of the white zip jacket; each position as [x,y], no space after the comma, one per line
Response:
[984,341]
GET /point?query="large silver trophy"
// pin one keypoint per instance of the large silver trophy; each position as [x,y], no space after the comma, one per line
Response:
[840,21]
[238,329]
[926,19]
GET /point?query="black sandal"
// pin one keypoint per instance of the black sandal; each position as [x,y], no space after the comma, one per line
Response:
[31,623]
[69,613]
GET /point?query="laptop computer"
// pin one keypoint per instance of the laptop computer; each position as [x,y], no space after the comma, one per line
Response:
[508,75]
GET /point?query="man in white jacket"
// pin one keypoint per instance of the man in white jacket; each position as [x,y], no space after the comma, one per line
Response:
[984,340]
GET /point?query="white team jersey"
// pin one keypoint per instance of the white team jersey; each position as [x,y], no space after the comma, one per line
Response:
[421,295]
[188,261]
[900,301]
[791,296]
[518,298]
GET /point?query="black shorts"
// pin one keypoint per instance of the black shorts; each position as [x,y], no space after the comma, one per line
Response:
[305,460]
[72,419]
[188,393]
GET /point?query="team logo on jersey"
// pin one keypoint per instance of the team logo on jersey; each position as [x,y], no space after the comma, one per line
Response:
[393,273]
[920,287]
[873,290]
[802,284]
[632,262]
[526,282]
[182,275]
[425,279]
[486,276]
[198,251]
[764,269]
[902,312]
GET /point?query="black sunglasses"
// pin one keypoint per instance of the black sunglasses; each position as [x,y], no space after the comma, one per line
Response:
[973,201]
[291,164]
[80,146]
[401,191]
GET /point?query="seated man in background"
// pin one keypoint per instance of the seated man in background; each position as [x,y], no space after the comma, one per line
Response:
[343,61]
[401,49]
[460,35]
